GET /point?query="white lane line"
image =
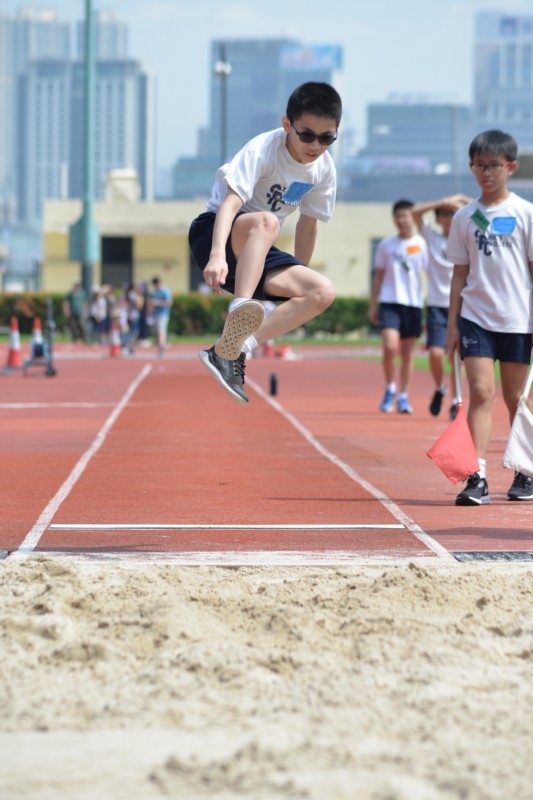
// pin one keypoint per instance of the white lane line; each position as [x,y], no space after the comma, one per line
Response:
[31,539]
[389,504]
[32,406]
[199,527]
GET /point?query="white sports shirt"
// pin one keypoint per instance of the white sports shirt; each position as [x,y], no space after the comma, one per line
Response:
[402,261]
[498,294]
[440,270]
[267,178]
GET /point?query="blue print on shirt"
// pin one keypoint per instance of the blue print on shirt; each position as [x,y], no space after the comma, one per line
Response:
[295,192]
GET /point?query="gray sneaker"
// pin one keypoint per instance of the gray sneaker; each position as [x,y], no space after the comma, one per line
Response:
[240,323]
[228,372]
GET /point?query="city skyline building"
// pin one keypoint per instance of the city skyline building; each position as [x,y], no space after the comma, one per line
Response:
[503,75]
[41,99]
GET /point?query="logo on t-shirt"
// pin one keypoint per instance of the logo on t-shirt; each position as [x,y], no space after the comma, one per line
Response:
[291,196]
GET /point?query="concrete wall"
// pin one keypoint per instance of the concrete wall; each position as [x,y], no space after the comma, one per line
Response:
[343,250]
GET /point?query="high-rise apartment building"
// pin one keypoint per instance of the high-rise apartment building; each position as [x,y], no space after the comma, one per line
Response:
[123,124]
[503,80]
[34,33]
[47,110]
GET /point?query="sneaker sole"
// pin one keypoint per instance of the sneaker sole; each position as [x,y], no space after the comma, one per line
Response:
[240,323]
[204,358]
[472,501]
[525,497]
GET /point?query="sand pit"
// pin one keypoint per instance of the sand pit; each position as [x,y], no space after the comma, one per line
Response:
[141,681]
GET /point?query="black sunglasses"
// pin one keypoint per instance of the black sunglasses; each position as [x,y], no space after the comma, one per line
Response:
[324,139]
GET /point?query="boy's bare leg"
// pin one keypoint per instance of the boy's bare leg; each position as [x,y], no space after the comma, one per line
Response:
[407,351]
[481,382]
[308,293]
[513,380]
[436,365]
[252,236]
[390,338]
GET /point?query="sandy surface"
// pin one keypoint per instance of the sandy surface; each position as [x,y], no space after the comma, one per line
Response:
[362,683]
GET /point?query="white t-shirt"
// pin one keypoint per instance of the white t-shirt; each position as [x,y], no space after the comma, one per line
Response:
[403,261]
[498,294]
[267,178]
[440,270]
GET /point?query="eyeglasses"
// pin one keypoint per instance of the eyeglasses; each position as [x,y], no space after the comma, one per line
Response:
[324,139]
[490,168]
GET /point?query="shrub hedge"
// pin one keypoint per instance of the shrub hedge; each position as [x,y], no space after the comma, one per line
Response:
[192,314]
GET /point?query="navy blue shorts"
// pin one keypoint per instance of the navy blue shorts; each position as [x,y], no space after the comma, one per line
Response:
[405,319]
[513,348]
[437,326]
[200,242]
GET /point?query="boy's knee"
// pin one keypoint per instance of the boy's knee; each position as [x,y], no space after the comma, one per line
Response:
[324,293]
[267,224]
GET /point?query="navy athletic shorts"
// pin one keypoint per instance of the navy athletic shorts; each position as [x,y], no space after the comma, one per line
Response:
[200,242]
[405,319]
[437,326]
[514,348]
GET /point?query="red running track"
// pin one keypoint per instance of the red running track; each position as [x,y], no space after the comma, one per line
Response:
[129,457]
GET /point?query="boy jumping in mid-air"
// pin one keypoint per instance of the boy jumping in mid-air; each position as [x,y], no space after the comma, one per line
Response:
[491,299]
[272,176]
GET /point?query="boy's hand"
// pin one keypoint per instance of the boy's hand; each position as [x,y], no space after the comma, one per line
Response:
[453,340]
[373,314]
[215,273]
[454,202]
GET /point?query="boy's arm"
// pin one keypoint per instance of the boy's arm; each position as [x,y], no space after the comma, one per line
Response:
[460,274]
[217,269]
[377,280]
[305,238]
[451,203]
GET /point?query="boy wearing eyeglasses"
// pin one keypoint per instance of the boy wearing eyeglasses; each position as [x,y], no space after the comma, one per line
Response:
[439,272]
[275,174]
[491,299]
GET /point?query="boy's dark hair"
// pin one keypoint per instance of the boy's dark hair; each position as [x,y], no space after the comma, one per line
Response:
[494,143]
[319,99]
[400,205]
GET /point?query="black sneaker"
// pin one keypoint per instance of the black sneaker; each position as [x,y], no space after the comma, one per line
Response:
[521,488]
[435,406]
[475,493]
[230,374]
[453,410]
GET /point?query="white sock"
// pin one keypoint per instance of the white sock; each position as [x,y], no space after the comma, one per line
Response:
[482,467]
[391,387]
[250,344]
[237,301]
[402,396]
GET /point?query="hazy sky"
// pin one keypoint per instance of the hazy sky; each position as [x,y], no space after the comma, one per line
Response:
[417,47]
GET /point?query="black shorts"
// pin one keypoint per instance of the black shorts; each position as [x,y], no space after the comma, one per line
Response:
[437,326]
[200,242]
[512,348]
[407,320]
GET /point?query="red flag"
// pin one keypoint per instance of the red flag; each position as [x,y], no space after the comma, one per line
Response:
[454,452]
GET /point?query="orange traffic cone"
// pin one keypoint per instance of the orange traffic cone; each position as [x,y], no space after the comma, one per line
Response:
[37,344]
[116,349]
[14,360]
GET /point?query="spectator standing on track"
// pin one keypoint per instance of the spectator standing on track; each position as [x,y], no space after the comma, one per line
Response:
[491,299]
[438,300]
[273,175]
[160,301]
[76,311]
[397,284]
